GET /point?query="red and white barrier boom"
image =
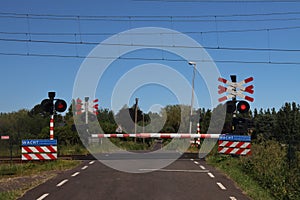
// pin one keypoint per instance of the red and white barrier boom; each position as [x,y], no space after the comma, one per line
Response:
[157,135]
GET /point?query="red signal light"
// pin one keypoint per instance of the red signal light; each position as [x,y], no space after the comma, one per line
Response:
[243,106]
[60,105]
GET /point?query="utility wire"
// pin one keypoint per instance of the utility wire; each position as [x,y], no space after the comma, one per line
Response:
[147,16]
[162,19]
[148,45]
[141,33]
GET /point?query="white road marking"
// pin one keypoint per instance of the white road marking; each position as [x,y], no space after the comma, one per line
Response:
[192,159]
[92,162]
[75,174]
[43,196]
[221,186]
[196,162]
[84,167]
[232,198]
[175,170]
[201,166]
[211,175]
[62,182]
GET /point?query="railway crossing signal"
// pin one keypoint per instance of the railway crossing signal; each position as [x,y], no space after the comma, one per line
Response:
[78,106]
[86,107]
[236,89]
[49,106]
[95,106]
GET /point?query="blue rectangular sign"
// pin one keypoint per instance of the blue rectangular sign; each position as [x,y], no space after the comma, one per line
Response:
[243,138]
[39,142]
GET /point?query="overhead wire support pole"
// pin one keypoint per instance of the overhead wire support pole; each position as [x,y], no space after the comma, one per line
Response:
[192,99]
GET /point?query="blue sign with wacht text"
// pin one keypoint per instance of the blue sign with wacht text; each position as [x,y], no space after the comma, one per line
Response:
[39,142]
[242,138]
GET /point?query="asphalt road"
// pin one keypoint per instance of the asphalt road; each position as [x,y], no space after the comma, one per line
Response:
[186,178]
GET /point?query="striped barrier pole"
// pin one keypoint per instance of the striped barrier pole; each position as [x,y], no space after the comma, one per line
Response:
[52,127]
[198,128]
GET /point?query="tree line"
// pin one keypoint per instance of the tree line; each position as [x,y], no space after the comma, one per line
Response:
[282,125]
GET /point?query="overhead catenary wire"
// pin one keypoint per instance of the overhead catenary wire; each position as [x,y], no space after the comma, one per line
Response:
[148,45]
[144,33]
[28,35]
[147,59]
[146,16]
[163,19]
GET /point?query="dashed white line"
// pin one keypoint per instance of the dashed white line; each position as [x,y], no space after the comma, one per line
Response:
[62,182]
[92,162]
[175,170]
[196,162]
[201,166]
[192,159]
[221,186]
[43,196]
[211,175]
[232,198]
[84,167]
[75,174]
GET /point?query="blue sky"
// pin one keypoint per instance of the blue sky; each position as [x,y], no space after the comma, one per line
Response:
[26,80]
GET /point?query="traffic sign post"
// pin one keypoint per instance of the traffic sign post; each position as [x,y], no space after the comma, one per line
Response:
[7,137]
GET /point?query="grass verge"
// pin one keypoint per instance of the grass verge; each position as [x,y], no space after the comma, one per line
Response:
[16,179]
[231,167]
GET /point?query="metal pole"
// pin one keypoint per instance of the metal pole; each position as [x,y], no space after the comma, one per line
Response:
[135,117]
[143,126]
[192,100]
[86,107]
[234,80]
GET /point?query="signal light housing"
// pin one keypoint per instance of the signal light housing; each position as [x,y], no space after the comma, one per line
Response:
[243,106]
[230,106]
[60,105]
[47,105]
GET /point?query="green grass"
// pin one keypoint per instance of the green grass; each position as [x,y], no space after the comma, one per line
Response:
[232,168]
[44,169]
[76,149]
[30,168]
